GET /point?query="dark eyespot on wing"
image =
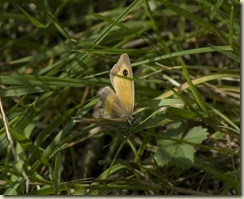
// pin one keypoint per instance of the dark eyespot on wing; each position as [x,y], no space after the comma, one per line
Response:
[125,72]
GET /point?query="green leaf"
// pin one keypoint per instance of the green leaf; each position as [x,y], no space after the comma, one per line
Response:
[162,157]
[198,20]
[32,19]
[184,151]
[57,171]
[196,135]
[29,146]
[181,113]
[162,102]
[193,89]
[180,151]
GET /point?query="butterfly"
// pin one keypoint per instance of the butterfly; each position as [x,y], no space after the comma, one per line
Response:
[115,107]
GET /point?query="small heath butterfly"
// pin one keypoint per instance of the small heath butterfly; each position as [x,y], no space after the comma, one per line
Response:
[115,107]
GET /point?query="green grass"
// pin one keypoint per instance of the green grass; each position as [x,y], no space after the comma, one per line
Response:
[56,55]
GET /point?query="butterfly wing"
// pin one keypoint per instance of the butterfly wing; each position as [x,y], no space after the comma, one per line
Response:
[121,77]
[109,105]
